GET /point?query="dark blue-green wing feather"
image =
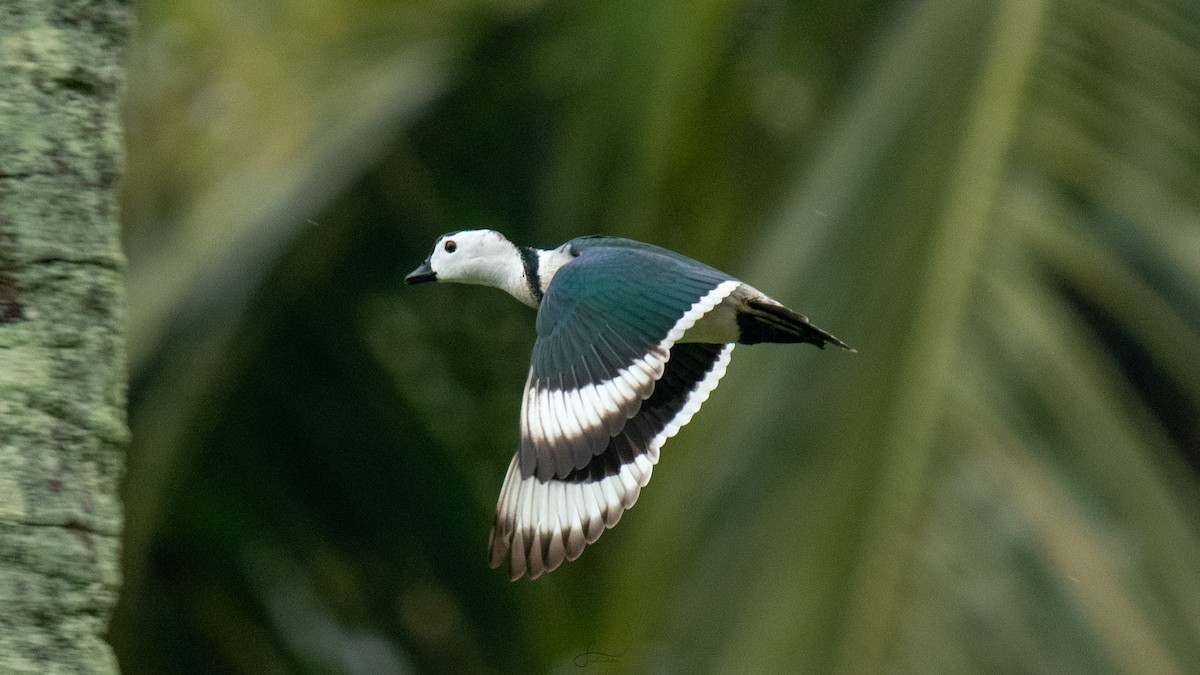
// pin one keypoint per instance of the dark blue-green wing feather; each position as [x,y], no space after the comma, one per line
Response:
[605,330]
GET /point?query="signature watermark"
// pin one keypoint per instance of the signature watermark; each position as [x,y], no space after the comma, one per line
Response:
[592,655]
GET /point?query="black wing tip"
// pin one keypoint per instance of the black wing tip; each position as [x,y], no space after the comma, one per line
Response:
[769,321]
[832,340]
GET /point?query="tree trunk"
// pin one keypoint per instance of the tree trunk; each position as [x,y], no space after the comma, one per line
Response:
[62,350]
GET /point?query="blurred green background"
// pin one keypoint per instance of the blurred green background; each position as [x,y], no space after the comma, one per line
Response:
[996,202]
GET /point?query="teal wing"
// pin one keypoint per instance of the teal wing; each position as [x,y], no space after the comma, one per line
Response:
[605,330]
[609,383]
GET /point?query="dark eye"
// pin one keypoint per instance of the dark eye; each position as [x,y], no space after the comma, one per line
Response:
[450,246]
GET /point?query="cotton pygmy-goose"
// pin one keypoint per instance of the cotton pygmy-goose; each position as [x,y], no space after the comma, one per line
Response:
[631,339]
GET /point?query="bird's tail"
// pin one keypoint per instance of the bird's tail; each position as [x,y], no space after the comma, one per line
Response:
[763,320]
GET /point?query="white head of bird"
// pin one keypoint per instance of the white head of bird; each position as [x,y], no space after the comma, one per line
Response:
[486,258]
[471,257]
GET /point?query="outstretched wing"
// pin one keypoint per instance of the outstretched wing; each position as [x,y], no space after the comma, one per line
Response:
[540,523]
[605,330]
[608,385]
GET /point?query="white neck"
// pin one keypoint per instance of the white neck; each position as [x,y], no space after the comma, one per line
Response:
[511,279]
[545,265]
[549,262]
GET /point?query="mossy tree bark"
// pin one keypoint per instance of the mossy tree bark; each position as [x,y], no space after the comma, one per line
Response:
[62,381]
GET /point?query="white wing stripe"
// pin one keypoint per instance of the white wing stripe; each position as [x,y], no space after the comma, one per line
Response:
[553,418]
[569,515]
[561,510]
[530,511]
[612,499]
[695,399]
[644,467]
[552,404]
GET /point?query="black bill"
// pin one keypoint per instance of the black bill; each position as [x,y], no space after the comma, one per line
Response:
[421,275]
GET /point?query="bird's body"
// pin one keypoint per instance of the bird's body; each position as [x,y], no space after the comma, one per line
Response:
[632,338]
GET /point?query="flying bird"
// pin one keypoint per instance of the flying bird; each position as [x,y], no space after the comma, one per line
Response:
[631,340]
